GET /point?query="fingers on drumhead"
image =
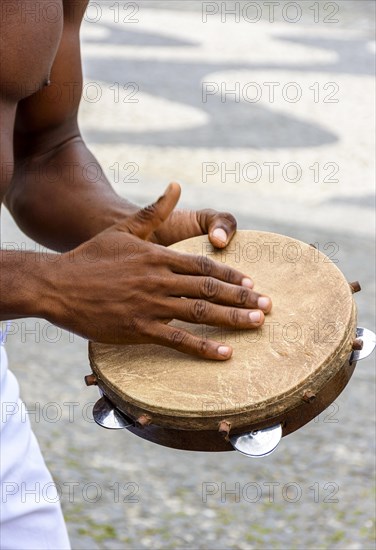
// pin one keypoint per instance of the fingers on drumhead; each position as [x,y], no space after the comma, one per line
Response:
[201,311]
[222,229]
[220,226]
[181,340]
[213,290]
[191,264]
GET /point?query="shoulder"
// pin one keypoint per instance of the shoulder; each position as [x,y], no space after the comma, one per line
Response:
[30,35]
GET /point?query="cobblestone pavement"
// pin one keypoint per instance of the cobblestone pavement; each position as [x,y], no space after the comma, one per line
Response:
[317,489]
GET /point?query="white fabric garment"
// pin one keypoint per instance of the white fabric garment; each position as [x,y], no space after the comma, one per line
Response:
[31,517]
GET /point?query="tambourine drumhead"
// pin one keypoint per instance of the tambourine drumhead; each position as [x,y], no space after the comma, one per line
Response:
[302,349]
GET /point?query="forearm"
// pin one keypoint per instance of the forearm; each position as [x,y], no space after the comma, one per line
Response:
[25,288]
[63,198]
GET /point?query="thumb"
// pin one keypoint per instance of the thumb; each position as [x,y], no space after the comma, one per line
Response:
[148,219]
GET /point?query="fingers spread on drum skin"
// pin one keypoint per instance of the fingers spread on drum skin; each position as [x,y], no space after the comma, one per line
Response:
[213,290]
[182,340]
[200,311]
[220,226]
[190,264]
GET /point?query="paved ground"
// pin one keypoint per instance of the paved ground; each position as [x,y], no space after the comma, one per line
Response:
[118,491]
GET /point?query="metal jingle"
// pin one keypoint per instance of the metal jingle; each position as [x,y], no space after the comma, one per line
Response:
[107,416]
[369,342]
[258,443]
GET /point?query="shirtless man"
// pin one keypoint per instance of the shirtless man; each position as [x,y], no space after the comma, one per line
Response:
[110,300]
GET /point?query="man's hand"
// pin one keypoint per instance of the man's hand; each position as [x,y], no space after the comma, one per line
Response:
[183,224]
[119,288]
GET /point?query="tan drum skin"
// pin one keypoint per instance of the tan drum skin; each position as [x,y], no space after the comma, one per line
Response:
[286,372]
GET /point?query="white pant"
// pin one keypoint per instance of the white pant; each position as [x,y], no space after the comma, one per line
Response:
[30,517]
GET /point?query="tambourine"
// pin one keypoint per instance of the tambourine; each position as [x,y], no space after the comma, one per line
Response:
[279,377]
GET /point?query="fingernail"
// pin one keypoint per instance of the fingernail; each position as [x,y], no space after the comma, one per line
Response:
[247,282]
[220,235]
[255,316]
[224,350]
[263,302]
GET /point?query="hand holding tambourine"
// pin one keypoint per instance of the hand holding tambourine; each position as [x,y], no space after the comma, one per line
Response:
[280,376]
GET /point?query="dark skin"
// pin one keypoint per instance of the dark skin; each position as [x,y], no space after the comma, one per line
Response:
[114,280]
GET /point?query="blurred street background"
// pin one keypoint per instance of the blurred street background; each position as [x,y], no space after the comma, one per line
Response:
[269,113]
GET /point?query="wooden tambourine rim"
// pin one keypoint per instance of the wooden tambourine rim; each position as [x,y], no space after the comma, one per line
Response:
[256,414]
[213,441]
